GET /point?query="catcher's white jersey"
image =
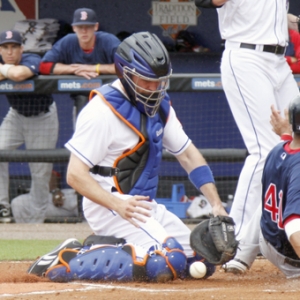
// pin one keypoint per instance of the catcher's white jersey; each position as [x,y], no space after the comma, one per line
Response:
[100,138]
[103,147]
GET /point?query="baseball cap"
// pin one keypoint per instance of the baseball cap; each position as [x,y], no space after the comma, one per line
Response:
[11,36]
[84,16]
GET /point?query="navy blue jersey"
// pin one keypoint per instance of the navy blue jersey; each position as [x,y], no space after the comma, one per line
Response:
[30,104]
[280,196]
[68,51]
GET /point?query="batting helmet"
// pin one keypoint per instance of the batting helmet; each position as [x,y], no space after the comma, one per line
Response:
[141,58]
[294,114]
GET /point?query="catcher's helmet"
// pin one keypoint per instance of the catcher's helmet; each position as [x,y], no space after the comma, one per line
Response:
[294,114]
[142,57]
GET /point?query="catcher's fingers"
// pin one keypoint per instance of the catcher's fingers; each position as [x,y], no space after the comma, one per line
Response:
[219,210]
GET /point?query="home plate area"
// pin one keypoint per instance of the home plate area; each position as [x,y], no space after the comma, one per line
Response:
[263,281]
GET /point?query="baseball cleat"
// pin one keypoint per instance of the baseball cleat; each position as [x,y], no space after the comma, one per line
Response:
[41,265]
[236,267]
[5,215]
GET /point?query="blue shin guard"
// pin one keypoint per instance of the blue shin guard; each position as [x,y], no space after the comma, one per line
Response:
[103,263]
[167,264]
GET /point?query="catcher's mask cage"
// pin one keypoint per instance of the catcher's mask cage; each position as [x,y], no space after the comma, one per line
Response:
[142,61]
[294,114]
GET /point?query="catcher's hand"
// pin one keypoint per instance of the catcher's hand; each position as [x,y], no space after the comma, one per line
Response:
[214,239]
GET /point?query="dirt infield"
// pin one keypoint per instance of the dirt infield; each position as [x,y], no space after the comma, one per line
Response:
[263,281]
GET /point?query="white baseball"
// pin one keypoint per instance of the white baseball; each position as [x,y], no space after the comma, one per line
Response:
[198,269]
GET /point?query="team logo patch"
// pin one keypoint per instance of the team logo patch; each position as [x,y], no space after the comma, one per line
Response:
[283,155]
[9,35]
[84,15]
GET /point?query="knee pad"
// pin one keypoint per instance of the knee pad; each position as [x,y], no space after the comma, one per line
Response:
[167,264]
[103,263]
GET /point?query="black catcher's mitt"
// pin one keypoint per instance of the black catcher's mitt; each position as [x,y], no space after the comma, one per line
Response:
[214,239]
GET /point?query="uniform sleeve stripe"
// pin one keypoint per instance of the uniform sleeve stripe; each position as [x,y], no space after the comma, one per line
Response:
[180,150]
[46,68]
[75,151]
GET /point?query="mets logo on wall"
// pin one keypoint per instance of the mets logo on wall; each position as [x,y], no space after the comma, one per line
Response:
[174,15]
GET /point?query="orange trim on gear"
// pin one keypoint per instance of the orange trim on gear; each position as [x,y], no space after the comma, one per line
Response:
[142,138]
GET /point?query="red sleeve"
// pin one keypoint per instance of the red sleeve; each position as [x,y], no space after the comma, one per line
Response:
[46,68]
[295,67]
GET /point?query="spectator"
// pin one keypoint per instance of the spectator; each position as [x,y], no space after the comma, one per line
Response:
[87,52]
[31,119]
[292,54]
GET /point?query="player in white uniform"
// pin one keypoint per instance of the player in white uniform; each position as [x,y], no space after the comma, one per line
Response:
[112,126]
[255,76]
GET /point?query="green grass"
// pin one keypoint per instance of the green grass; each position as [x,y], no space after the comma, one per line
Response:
[25,249]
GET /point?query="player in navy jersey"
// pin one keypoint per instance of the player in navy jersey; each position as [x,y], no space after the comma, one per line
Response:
[280,221]
[31,120]
[87,52]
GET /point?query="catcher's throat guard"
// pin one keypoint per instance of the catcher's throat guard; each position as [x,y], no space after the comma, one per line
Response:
[214,239]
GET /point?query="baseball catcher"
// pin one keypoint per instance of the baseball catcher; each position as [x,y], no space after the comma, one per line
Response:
[214,239]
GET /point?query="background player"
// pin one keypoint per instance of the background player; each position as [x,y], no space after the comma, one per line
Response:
[87,52]
[31,119]
[255,75]
[117,148]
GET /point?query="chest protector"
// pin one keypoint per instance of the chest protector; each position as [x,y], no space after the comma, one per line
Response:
[139,167]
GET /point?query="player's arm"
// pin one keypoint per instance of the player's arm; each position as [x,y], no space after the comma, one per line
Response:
[292,230]
[15,73]
[79,178]
[294,22]
[210,3]
[96,68]
[200,175]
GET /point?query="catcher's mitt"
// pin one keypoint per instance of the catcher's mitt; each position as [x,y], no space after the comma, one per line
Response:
[214,239]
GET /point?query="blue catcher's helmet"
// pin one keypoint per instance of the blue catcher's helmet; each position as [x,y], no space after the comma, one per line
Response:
[294,114]
[143,66]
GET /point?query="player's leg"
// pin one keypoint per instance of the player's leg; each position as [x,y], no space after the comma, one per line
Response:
[151,238]
[248,246]
[289,267]
[10,138]
[250,96]
[41,133]
[289,87]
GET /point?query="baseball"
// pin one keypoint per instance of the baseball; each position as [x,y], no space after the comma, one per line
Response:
[198,269]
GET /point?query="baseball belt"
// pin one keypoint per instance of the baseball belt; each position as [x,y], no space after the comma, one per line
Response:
[276,49]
